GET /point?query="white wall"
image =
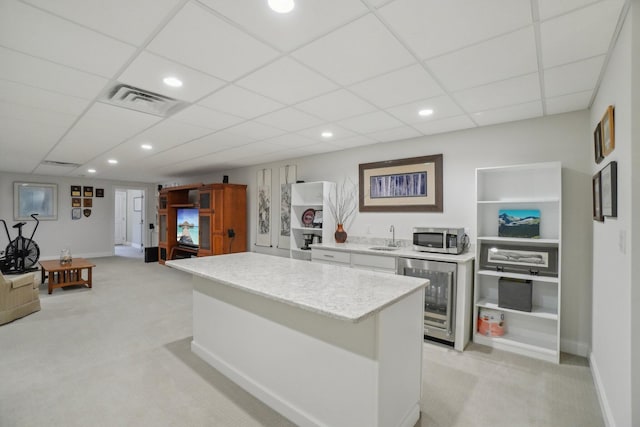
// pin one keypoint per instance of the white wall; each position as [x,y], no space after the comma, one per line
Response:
[86,237]
[613,245]
[562,138]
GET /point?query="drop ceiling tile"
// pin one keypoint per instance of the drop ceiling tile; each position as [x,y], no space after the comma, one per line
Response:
[101,128]
[289,119]
[20,136]
[575,77]
[129,21]
[307,21]
[397,134]
[354,141]
[371,122]
[398,87]
[501,94]
[27,96]
[290,140]
[255,131]
[38,33]
[49,170]
[355,52]
[25,69]
[566,103]
[550,8]
[308,150]
[336,105]
[206,117]
[148,70]
[442,106]
[201,40]
[240,102]
[434,27]
[168,133]
[252,149]
[503,57]
[287,81]
[315,133]
[450,124]
[35,115]
[509,114]
[578,35]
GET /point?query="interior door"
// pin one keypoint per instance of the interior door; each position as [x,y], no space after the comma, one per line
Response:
[120,234]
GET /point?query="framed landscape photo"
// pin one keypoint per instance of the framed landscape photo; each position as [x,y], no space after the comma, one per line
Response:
[35,198]
[608,131]
[521,223]
[403,185]
[534,260]
[597,198]
[609,190]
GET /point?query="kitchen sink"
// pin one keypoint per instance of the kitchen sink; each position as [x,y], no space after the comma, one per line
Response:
[384,248]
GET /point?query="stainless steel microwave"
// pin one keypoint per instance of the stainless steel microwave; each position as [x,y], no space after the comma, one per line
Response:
[441,240]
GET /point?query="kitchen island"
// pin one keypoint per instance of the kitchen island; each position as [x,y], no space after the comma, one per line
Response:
[323,345]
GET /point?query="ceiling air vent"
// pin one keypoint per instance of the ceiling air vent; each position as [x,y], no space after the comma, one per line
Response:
[63,164]
[142,100]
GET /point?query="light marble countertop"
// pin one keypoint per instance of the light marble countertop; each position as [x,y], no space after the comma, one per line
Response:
[334,291]
[404,252]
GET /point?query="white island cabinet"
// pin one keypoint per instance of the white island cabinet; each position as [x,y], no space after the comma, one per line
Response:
[322,344]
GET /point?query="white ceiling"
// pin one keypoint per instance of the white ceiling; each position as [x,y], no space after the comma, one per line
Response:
[261,87]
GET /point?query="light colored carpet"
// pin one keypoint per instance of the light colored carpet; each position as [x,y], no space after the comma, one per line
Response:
[119,355]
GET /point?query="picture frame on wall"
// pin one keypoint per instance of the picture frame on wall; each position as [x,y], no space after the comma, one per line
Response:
[76,202]
[99,192]
[608,131]
[87,203]
[597,198]
[609,190]
[402,185]
[76,191]
[35,198]
[87,191]
[597,144]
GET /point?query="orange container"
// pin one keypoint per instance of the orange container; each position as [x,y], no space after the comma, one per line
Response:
[491,323]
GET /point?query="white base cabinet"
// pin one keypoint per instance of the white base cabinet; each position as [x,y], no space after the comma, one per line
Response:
[523,187]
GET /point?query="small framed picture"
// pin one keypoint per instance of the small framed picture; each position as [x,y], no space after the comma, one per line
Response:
[597,144]
[87,191]
[609,190]
[76,191]
[608,134]
[99,192]
[597,198]
[87,203]
[76,213]
[76,202]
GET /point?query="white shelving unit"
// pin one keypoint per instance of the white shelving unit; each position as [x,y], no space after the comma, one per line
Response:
[534,186]
[310,195]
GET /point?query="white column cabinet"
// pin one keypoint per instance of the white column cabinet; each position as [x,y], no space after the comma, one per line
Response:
[524,187]
[310,198]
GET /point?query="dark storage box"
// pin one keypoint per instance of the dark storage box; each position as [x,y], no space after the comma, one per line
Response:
[151,254]
[514,294]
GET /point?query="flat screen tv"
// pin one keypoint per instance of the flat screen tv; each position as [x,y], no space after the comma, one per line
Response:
[187,225]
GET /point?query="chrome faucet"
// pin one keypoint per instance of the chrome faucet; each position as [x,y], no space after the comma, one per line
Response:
[393,236]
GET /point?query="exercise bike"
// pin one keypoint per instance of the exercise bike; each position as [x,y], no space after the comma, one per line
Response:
[21,254]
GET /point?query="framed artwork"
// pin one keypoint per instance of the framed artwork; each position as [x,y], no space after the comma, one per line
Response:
[87,203]
[403,185]
[287,178]
[522,223]
[597,198]
[76,202]
[99,192]
[609,190]
[263,236]
[597,144]
[137,204]
[76,191]
[608,134]
[76,213]
[87,191]
[534,260]
[35,198]
[317,218]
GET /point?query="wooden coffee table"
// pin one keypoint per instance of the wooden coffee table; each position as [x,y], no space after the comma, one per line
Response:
[67,274]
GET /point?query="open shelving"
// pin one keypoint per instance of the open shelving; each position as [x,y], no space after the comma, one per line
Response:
[534,186]
[304,196]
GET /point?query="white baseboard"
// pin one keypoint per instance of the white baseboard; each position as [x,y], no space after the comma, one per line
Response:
[574,347]
[602,396]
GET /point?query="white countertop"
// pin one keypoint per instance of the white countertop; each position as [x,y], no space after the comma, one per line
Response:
[403,252]
[334,291]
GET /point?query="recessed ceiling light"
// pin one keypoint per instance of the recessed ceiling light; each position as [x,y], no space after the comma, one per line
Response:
[91,170]
[281,6]
[172,81]
[426,112]
[327,134]
[112,161]
[146,146]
